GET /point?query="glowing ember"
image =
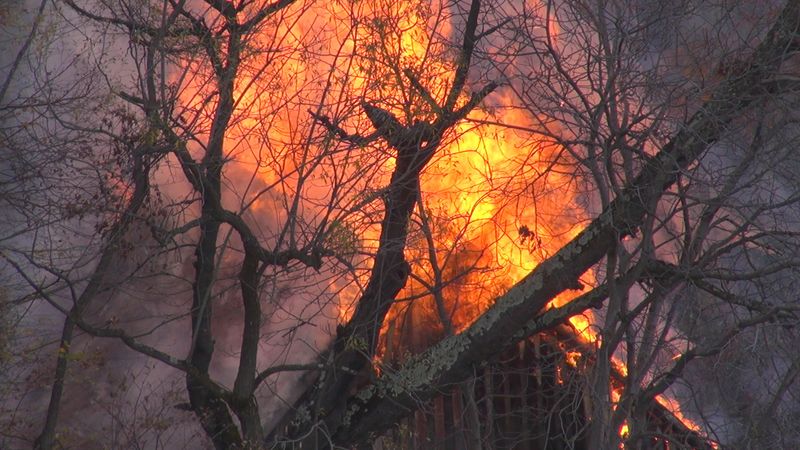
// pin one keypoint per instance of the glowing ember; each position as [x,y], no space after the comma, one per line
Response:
[624,432]
[572,358]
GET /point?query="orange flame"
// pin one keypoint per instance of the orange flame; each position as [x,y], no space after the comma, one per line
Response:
[675,408]
[624,432]
[492,205]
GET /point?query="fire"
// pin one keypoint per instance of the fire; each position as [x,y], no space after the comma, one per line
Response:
[490,223]
[675,408]
[624,432]
[491,206]
[472,188]
[573,357]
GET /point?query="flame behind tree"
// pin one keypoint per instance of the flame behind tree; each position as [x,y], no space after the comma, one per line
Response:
[352,146]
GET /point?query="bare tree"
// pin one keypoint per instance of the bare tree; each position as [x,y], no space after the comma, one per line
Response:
[238,191]
[612,105]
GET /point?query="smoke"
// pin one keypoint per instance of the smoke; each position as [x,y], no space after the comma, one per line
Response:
[53,173]
[118,398]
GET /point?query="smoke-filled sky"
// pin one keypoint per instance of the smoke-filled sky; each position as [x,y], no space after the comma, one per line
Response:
[51,226]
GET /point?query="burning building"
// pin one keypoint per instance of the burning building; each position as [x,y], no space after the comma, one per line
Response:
[466,224]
